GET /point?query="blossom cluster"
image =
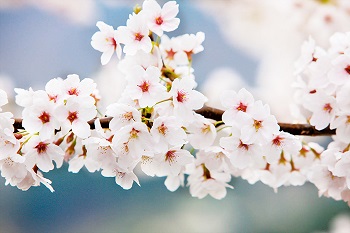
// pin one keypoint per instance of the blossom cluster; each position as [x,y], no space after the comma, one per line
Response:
[323,87]
[65,105]
[154,128]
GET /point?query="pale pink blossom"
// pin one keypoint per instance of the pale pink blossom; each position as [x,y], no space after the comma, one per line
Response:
[143,86]
[235,102]
[257,126]
[172,161]
[122,115]
[340,73]
[106,41]
[241,154]
[167,131]
[131,142]
[142,59]
[185,99]
[24,98]
[72,86]
[134,35]
[40,118]
[41,153]
[54,90]
[75,116]
[123,177]
[172,183]
[323,108]
[202,132]
[161,19]
[289,144]
[203,182]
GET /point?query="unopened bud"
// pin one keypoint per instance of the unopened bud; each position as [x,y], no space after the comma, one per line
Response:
[137,9]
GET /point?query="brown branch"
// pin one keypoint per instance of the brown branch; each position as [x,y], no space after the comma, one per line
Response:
[216,114]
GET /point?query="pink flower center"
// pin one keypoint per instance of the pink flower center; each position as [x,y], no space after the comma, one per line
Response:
[242,107]
[243,146]
[257,124]
[112,41]
[181,96]
[134,133]
[347,69]
[128,116]
[327,108]
[138,36]
[44,117]
[159,20]
[144,86]
[162,129]
[41,147]
[170,156]
[205,129]
[170,54]
[72,116]
[53,97]
[277,141]
[189,54]
[73,91]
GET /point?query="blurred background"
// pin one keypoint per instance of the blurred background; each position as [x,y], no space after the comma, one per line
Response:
[249,43]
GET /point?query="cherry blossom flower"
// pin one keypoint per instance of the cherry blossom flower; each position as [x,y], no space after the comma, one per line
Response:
[130,143]
[340,43]
[75,116]
[134,35]
[341,168]
[54,90]
[97,152]
[9,148]
[172,183]
[259,125]
[214,159]
[289,144]
[149,165]
[172,161]
[203,182]
[106,41]
[323,109]
[167,131]
[40,117]
[202,132]
[143,85]
[122,115]
[191,44]
[161,19]
[169,48]
[340,73]
[72,86]
[234,102]
[41,153]
[185,99]
[142,59]
[24,98]
[123,177]
[241,154]
[327,184]
[13,172]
